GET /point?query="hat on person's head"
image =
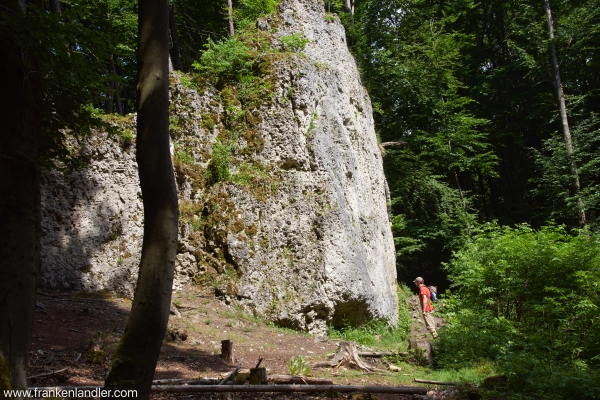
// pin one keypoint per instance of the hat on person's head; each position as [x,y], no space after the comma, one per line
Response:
[419,280]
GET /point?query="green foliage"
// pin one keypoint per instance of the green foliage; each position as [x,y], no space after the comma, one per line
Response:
[70,79]
[299,366]
[184,156]
[294,42]
[251,10]
[378,333]
[554,189]
[527,300]
[219,165]
[226,60]
[127,136]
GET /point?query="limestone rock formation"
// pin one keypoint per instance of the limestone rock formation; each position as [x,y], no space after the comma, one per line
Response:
[296,229]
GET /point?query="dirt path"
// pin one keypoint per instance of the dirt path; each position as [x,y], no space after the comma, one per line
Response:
[81,332]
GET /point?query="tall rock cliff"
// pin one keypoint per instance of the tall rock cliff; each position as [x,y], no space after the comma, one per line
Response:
[283,200]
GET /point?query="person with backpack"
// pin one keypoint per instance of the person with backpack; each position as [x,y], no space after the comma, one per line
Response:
[426,308]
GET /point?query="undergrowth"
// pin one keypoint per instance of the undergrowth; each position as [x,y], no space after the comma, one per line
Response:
[378,334]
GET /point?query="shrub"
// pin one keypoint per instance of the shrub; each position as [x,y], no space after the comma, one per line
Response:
[227,60]
[528,300]
[218,167]
[294,42]
[378,333]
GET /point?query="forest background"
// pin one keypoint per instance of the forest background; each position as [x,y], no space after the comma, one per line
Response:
[487,195]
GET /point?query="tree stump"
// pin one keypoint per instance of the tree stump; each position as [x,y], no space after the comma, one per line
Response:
[227,351]
[347,355]
[258,376]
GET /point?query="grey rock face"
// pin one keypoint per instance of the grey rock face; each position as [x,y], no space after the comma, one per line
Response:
[305,241]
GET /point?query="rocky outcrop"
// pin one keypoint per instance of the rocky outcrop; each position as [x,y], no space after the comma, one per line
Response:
[296,229]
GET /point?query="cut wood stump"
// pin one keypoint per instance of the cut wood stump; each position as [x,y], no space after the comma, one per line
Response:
[258,376]
[347,356]
[227,351]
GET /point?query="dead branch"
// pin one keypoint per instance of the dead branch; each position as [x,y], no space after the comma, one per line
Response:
[173,310]
[48,373]
[390,144]
[232,373]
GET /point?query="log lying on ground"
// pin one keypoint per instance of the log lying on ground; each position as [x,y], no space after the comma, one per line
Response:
[347,355]
[198,381]
[374,353]
[255,389]
[289,379]
[294,388]
[435,382]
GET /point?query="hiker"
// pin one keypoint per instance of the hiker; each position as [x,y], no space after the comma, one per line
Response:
[426,309]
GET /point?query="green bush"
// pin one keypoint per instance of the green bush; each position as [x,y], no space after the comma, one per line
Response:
[218,167]
[528,300]
[378,333]
[251,10]
[226,60]
[294,42]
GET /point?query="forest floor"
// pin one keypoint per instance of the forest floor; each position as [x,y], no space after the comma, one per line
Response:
[78,334]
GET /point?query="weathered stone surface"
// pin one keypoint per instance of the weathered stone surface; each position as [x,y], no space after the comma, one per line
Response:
[305,242]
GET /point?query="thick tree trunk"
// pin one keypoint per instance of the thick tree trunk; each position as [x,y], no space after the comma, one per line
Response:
[175,50]
[136,356]
[20,113]
[560,96]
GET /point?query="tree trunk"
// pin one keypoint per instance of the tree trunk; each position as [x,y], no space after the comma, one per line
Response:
[230,17]
[560,96]
[137,354]
[20,215]
[114,99]
[55,6]
[175,50]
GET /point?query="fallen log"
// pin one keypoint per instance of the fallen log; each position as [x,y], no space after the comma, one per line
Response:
[374,353]
[306,380]
[197,381]
[294,388]
[253,389]
[435,382]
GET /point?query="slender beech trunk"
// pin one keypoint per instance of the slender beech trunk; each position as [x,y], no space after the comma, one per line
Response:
[114,99]
[230,17]
[137,354]
[20,215]
[560,96]
[175,50]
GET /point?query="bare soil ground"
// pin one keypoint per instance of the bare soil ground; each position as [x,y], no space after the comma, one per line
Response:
[80,332]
